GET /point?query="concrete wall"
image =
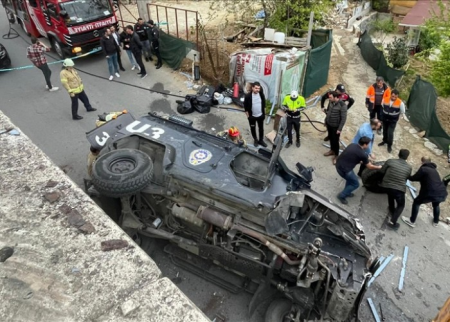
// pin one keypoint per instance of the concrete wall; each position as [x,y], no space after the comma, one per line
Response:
[61,269]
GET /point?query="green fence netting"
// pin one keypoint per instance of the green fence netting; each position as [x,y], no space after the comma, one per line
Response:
[173,50]
[375,59]
[422,113]
[318,61]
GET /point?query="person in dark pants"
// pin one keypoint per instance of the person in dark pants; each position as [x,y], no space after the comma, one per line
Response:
[154,38]
[74,86]
[293,105]
[392,108]
[35,53]
[396,172]
[353,155]
[376,93]
[136,48]
[334,121]
[432,189]
[142,29]
[343,96]
[255,109]
[116,37]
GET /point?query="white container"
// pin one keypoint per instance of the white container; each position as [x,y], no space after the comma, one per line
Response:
[279,37]
[268,34]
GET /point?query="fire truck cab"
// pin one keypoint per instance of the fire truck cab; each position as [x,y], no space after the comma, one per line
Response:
[73,27]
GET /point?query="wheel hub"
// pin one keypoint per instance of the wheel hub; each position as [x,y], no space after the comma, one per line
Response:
[122,166]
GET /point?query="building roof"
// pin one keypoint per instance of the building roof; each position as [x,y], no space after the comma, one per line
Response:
[420,13]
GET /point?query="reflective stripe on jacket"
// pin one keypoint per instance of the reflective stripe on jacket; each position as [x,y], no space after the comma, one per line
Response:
[294,107]
[71,81]
[391,111]
[370,97]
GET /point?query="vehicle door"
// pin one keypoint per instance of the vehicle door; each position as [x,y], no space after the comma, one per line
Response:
[52,17]
[27,13]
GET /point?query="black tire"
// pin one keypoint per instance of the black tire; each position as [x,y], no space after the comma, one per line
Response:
[122,172]
[371,179]
[58,48]
[278,310]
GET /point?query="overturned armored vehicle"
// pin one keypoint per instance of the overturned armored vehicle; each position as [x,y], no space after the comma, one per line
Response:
[243,210]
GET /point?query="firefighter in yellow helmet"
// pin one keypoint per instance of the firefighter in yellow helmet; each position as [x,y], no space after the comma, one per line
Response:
[233,135]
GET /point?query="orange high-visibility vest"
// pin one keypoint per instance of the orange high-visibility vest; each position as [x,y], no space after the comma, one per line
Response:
[391,111]
[371,93]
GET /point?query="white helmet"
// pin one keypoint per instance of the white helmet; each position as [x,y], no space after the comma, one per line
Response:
[294,94]
[68,62]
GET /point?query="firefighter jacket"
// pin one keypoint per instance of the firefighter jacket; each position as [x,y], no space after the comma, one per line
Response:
[392,109]
[371,92]
[294,108]
[71,81]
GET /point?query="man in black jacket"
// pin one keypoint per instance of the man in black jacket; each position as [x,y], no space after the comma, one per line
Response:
[334,121]
[432,189]
[136,49]
[154,38]
[110,49]
[142,29]
[343,96]
[255,109]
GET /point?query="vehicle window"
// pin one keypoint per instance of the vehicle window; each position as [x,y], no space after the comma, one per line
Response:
[52,9]
[33,3]
[79,11]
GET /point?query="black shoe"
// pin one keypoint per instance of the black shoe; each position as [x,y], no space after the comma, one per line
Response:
[288,145]
[91,109]
[381,143]
[297,144]
[140,74]
[146,58]
[342,200]
[389,149]
[393,226]
[262,143]
[327,138]
[143,76]
[122,69]
[158,66]
[76,118]
[150,58]
[256,143]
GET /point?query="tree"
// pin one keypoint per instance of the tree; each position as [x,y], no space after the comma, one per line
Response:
[435,29]
[440,70]
[398,52]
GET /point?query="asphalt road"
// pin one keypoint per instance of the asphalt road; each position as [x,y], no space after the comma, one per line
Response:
[45,117]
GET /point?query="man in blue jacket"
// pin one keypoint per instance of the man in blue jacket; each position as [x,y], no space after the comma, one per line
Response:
[367,129]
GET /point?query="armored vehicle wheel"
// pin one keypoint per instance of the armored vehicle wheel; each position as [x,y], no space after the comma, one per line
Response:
[280,310]
[122,172]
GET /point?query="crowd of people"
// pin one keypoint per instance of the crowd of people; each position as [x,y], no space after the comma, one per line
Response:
[137,41]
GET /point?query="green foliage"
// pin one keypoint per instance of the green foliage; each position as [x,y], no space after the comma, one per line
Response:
[269,106]
[429,37]
[398,52]
[435,29]
[380,28]
[380,5]
[440,70]
[294,14]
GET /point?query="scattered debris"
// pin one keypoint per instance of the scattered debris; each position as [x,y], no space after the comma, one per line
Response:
[380,269]
[52,196]
[65,209]
[402,274]
[5,253]
[87,228]
[374,310]
[28,295]
[75,219]
[129,307]
[14,132]
[113,244]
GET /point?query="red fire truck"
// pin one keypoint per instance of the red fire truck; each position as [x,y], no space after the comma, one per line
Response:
[73,27]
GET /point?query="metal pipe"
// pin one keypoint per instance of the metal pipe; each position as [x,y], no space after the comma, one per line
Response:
[380,269]
[158,233]
[374,310]
[326,286]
